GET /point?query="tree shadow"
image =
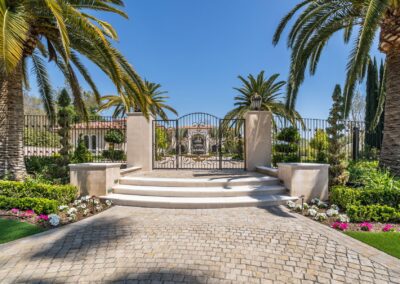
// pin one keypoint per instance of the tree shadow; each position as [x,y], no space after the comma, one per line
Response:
[277,210]
[82,237]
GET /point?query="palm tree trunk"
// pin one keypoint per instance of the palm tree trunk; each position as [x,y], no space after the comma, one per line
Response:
[12,125]
[390,154]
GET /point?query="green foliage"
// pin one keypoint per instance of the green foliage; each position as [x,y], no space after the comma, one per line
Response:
[336,156]
[39,205]
[114,136]
[64,194]
[344,196]
[286,149]
[319,144]
[82,154]
[65,117]
[49,169]
[114,155]
[358,170]
[11,230]
[41,138]
[376,213]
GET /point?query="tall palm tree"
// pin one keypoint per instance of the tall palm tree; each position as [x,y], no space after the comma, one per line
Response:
[59,31]
[318,21]
[154,102]
[269,90]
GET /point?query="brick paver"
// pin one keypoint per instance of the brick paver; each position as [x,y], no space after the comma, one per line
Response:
[242,245]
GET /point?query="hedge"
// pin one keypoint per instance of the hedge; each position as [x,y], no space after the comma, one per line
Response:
[376,213]
[63,194]
[346,196]
[39,205]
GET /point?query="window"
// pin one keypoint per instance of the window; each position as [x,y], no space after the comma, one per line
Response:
[86,140]
[94,142]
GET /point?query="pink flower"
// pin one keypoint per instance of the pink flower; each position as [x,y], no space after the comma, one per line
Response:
[388,228]
[365,226]
[28,213]
[43,217]
[15,211]
[340,226]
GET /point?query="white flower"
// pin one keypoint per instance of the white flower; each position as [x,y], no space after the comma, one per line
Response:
[335,207]
[63,207]
[322,204]
[298,207]
[82,206]
[72,211]
[320,217]
[77,202]
[108,202]
[54,220]
[344,218]
[291,204]
[72,217]
[315,201]
[305,205]
[85,198]
[312,212]
[315,207]
[332,212]
[85,212]
[96,201]
[99,208]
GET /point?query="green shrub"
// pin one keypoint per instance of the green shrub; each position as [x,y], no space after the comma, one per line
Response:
[286,148]
[344,196]
[49,169]
[376,213]
[360,169]
[114,136]
[289,134]
[39,205]
[82,154]
[114,155]
[63,194]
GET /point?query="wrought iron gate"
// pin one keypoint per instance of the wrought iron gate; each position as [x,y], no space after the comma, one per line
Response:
[199,141]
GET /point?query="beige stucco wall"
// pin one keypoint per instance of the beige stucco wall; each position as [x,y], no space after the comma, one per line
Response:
[308,180]
[258,139]
[139,141]
[94,178]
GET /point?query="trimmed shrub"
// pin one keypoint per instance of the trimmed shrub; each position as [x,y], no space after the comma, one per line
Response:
[114,155]
[344,196]
[63,194]
[39,205]
[51,169]
[376,213]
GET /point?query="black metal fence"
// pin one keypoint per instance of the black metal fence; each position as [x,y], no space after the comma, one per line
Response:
[309,141]
[42,137]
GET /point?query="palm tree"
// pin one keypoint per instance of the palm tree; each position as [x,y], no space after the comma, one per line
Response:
[58,31]
[318,21]
[154,102]
[269,90]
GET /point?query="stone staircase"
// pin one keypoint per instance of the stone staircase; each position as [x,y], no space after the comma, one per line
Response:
[198,193]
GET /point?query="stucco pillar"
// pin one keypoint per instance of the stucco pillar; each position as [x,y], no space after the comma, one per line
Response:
[139,139]
[258,139]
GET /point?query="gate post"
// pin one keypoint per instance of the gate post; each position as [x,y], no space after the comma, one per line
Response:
[139,141]
[258,131]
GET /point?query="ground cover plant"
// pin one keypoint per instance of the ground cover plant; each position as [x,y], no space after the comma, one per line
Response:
[13,229]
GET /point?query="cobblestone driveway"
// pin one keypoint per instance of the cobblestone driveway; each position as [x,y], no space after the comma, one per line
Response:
[244,245]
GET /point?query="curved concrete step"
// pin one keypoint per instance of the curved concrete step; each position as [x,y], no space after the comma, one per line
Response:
[199,182]
[196,202]
[199,192]
[267,171]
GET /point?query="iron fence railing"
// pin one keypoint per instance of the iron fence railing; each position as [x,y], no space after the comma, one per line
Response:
[311,143]
[42,138]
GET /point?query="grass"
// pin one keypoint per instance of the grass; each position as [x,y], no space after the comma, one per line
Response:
[12,229]
[387,242]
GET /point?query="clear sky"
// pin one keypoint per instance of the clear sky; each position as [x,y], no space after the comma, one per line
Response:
[196,49]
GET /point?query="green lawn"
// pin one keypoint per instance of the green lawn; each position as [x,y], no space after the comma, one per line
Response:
[12,229]
[387,242]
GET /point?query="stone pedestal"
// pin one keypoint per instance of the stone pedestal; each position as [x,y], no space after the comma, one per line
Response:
[139,139]
[94,178]
[308,180]
[258,139]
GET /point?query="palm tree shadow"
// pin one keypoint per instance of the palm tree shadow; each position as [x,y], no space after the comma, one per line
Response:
[79,240]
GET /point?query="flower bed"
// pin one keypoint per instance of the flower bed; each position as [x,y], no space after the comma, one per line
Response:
[331,215]
[81,208]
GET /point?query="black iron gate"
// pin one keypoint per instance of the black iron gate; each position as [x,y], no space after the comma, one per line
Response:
[199,141]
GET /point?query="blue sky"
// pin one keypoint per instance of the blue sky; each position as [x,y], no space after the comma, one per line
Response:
[196,49]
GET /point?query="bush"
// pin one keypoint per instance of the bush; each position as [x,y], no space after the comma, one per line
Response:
[82,154]
[376,213]
[114,155]
[361,169]
[47,168]
[286,149]
[63,194]
[39,205]
[289,134]
[114,136]
[344,196]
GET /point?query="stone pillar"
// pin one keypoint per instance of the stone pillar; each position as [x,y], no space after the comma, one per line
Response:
[258,139]
[139,141]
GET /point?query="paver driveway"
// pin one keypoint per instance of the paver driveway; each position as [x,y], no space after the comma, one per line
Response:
[243,245]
